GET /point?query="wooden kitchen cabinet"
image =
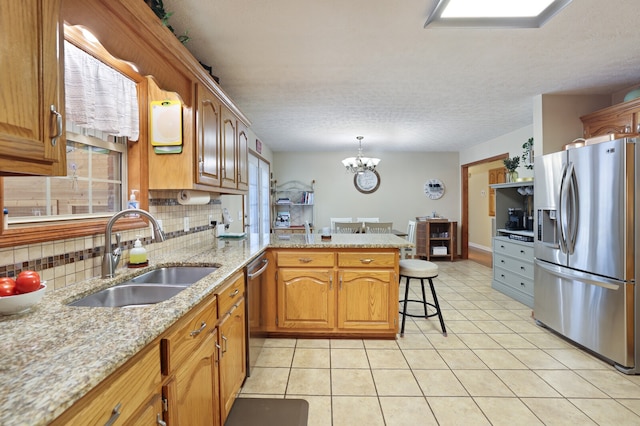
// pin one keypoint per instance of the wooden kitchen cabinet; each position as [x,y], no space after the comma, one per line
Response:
[190,360]
[231,343]
[306,298]
[128,396]
[497,175]
[242,157]
[620,118]
[346,293]
[208,118]
[367,291]
[32,137]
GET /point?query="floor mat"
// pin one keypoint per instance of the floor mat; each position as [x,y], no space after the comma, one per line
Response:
[268,412]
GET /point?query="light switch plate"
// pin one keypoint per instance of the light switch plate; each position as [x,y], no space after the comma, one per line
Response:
[186,224]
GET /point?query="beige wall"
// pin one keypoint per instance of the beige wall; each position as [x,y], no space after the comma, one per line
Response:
[400,196]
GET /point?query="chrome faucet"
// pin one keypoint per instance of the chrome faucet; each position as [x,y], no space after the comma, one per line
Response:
[111,259]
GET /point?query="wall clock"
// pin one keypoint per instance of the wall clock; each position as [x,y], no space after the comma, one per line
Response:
[367,182]
[434,189]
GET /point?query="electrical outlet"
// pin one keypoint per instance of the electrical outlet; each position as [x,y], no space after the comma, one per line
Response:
[186,224]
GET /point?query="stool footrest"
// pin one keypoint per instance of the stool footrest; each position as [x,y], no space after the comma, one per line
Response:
[422,303]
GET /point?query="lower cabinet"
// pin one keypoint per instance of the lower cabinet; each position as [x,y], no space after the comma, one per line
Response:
[341,293]
[232,342]
[131,395]
[190,362]
[513,269]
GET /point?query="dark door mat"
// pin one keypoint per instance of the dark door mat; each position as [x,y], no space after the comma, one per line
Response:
[268,412]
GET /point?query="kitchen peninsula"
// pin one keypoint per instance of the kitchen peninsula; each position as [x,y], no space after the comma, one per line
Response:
[56,354]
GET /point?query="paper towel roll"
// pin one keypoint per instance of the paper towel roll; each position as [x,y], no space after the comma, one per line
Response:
[186,197]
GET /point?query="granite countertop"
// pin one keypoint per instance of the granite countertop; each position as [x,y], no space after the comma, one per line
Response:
[54,354]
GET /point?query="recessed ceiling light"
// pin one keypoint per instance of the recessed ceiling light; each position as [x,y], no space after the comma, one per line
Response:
[494,13]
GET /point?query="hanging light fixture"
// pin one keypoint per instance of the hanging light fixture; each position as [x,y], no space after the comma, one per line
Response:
[360,164]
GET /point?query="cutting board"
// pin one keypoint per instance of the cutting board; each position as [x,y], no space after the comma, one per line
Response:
[166,122]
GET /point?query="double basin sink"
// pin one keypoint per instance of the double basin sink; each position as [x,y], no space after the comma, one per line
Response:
[154,286]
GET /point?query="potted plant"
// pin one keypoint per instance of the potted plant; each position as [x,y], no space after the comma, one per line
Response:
[511,164]
[527,154]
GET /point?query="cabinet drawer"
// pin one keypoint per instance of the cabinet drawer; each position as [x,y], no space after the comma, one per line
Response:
[519,266]
[305,258]
[185,337]
[513,280]
[369,260]
[125,391]
[519,250]
[231,294]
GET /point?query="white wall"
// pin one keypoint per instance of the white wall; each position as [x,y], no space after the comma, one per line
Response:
[400,196]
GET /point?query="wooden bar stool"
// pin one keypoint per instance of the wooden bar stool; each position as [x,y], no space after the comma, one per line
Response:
[420,270]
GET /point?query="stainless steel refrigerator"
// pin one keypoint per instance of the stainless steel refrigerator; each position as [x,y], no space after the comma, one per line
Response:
[586,247]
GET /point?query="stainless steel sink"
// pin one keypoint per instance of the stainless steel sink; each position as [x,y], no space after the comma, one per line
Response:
[129,295]
[151,287]
[175,275]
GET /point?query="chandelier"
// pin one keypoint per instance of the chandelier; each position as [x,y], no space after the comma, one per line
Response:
[360,164]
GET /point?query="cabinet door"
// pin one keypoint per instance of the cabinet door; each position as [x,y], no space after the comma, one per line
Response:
[192,391]
[32,85]
[150,413]
[367,299]
[233,365]
[208,131]
[306,298]
[228,171]
[498,175]
[242,159]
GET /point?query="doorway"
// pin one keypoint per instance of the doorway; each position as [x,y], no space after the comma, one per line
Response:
[464,170]
[257,200]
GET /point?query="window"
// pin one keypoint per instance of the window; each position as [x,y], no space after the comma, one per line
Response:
[94,186]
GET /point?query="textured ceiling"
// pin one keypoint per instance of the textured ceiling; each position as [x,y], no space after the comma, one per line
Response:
[312,75]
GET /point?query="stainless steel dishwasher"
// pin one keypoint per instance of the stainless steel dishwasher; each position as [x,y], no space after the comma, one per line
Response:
[256,280]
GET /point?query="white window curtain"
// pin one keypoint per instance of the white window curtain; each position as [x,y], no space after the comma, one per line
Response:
[99,97]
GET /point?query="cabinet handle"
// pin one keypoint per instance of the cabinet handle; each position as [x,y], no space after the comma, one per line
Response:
[235,293]
[225,344]
[115,413]
[218,347]
[366,261]
[54,138]
[160,422]
[198,331]
[305,260]
[200,165]
[330,282]
[340,282]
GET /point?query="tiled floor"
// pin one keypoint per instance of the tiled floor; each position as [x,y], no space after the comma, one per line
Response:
[494,367]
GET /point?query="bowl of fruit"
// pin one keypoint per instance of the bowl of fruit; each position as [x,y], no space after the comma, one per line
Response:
[20,294]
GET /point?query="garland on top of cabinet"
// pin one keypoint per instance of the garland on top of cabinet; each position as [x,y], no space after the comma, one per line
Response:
[158,8]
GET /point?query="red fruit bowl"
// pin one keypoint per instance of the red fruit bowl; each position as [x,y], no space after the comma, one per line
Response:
[18,303]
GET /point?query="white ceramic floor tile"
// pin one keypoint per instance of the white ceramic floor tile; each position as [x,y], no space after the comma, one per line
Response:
[349,358]
[354,410]
[309,381]
[386,358]
[457,411]
[311,358]
[403,411]
[557,411]
[396,383]
[352,382]
[439,383]
[507,411]
[607,411]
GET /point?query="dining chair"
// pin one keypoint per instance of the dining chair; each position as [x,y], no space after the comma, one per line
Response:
[333,221]
[362,220]
[407,252]
[378,227]
[348,227]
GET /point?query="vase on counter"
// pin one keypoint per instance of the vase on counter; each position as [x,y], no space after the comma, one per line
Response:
[512,176]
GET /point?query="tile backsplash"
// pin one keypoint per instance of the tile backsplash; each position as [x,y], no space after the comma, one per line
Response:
[65,262]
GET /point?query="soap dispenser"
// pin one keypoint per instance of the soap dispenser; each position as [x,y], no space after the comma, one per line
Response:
[138,254]
[133,203]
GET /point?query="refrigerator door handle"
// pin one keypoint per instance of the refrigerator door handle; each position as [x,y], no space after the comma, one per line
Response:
[582,276]
[562,207]
[573,210]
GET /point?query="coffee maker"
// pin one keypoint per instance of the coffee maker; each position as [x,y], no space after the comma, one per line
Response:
[515,219]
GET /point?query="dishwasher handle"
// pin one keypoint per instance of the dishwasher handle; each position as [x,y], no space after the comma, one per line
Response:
[252,275]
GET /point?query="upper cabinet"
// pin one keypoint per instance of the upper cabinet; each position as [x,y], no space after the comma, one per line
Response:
[620,118]
[213,157]
[32,140]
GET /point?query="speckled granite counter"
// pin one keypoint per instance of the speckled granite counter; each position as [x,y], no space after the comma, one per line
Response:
[54,354]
